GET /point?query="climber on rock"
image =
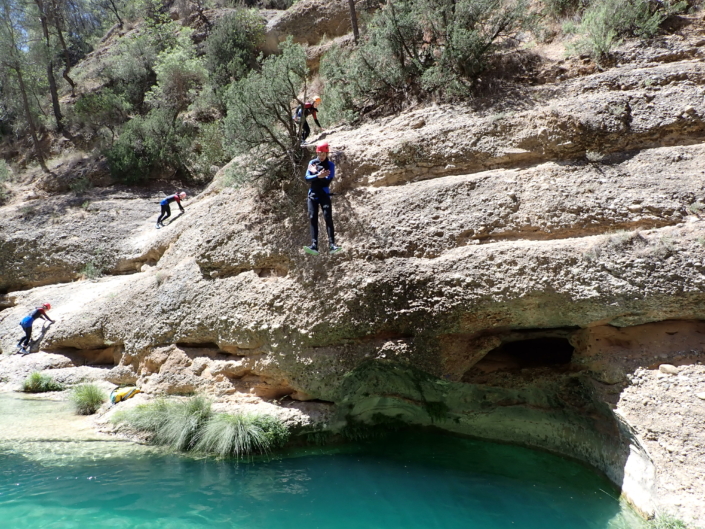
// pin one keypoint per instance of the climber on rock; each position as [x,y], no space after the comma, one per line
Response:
[166,209]
[28,321]
[319,175]
[306,110]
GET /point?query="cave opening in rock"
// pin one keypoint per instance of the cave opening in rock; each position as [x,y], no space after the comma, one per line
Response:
[526,354]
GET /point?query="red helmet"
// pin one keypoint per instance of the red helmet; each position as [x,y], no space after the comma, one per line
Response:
[323,147]
[182,195]
[46,306]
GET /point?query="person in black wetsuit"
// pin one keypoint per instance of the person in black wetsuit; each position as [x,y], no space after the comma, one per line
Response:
[28,321]
[166,209]
[309,109]
[319,175]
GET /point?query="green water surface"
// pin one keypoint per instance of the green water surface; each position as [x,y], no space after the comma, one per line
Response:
[407,481]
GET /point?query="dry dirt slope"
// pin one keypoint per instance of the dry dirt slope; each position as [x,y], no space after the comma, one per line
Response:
[573,219]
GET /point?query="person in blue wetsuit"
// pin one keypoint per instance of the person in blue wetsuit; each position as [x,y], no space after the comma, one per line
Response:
[304,111]
[166,209]
[28,321]
[319,175]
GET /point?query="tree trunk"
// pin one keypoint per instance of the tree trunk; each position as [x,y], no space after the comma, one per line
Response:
[56,19]
[30,121]
[50,68]
[117,15]
[353,21]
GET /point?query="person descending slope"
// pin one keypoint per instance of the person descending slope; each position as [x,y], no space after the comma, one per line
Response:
[28,321]
[309,109]
[319,175]
[166,209]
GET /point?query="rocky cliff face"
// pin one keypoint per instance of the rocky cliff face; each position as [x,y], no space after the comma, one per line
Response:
[515,270]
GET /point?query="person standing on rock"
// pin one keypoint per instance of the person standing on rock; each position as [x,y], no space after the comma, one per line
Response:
[166,209]
[28,321]
[319,175]
[303,112]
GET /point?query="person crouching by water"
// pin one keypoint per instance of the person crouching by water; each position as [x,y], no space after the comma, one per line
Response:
[166,209]
[28,321]
[319,175]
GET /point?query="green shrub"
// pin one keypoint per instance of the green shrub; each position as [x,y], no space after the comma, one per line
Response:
[91,271]
[275,431]
[129,69]
[157,142]
[561,8]
[606,21]
[81,185]
[242,434]
[207,151]
[38,382]
[415,48]
[180,75]
[104,109]
[231,48]
[87,398]
[5,176]
[259,119]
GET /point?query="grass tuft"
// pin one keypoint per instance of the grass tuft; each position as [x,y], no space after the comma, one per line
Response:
[666,521]
[182,423]
[233,435]
[38,382]
[190,425]
[87,398]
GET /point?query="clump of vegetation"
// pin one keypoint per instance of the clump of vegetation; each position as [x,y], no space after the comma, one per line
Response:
[259,121]
[191,425]
[101,111]
[81,185]
[242,434]
[155,142]
[666,521]
[38,382]
[415,48]
[616,241]
[87,398]
[594,156]
[231,49]
[605,22]
[562,8]
[696,208]
[5,176]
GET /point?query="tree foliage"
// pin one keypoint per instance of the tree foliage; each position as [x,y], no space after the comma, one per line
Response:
[606,22]
[415,48]
[259,119]
[231,48]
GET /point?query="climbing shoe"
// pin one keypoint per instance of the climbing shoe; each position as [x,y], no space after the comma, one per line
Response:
[334,249]
[159,225]
[311,250]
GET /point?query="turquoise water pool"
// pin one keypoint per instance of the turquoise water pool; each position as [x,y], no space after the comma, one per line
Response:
[408,481]
[428,482]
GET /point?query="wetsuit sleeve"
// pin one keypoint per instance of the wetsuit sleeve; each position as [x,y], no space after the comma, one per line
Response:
[44,315]
[315,118]
[178,202]
[309,174]
[331,168]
